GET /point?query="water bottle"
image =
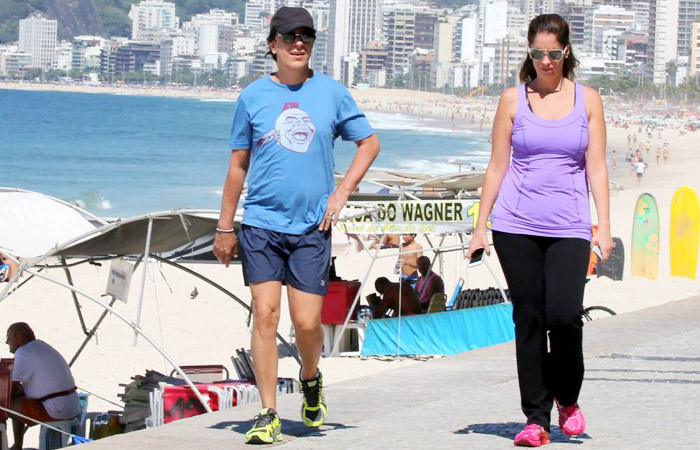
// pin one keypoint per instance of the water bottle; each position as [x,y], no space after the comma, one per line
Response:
[4,272]
[397,267]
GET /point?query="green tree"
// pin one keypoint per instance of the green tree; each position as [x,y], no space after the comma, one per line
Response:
[246,80]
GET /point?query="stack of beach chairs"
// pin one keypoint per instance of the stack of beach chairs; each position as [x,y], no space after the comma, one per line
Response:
[473,298]
[138,398]
[154,399]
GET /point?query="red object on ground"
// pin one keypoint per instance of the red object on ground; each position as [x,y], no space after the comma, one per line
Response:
[6,365]
[338,301]
[179,402]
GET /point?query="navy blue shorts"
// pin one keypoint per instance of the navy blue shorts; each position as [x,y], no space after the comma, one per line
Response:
[301,261]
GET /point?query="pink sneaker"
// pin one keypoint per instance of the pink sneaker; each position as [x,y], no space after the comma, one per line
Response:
[532,436]
[571,420]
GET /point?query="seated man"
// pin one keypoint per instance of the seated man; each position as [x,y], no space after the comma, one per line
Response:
[429,283]
[42,385]
[390,241]
[390,298]
[408,263]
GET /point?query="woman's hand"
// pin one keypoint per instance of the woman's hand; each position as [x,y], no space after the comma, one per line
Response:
[603,239]
[479,240]
[225,247]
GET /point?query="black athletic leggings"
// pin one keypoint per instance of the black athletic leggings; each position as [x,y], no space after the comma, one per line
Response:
[546,278]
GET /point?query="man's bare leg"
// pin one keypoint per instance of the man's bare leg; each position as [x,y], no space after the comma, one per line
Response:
[305,309]
[266,316]
[18,426]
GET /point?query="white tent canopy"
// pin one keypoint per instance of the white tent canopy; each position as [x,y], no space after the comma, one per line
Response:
[31,224]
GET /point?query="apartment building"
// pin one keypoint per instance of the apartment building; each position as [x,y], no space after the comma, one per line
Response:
[37,37]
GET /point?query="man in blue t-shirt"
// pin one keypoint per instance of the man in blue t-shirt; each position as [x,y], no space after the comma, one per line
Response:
[282,138]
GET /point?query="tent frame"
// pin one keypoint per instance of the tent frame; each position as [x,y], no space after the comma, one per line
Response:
[34,268]
[405,193]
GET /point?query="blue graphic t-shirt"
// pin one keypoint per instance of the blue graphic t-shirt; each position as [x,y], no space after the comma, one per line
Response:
[291,131]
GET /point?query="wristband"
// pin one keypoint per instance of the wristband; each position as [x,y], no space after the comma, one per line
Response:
[223,230]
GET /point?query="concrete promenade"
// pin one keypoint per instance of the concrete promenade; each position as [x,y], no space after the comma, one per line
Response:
[642,390]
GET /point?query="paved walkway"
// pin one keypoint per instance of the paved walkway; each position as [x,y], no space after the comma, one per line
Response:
[642,390]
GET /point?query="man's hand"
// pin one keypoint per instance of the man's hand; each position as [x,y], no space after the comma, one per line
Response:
[335,204]
[225,247]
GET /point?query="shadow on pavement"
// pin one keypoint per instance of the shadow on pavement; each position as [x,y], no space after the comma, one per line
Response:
[508,430]
[295,428]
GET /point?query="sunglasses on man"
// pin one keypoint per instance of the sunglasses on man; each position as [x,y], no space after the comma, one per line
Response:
[290,37]
[554,55]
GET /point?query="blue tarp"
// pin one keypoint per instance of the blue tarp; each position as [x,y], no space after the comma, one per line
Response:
[444,333]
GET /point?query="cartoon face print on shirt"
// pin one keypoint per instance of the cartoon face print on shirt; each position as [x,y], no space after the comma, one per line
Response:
[293,129]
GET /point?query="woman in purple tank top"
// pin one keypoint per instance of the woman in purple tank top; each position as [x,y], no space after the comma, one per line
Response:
[541,224]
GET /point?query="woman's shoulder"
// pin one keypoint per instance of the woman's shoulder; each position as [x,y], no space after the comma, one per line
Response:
[593,101]
[590,94]
[509,101]
[511,93]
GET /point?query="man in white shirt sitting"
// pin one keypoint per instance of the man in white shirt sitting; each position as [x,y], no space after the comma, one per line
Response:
[42,385]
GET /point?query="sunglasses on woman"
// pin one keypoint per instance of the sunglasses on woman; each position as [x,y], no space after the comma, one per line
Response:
[291,37]
[554,55]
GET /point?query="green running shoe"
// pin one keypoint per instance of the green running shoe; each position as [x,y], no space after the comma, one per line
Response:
[267,428]
[314,408]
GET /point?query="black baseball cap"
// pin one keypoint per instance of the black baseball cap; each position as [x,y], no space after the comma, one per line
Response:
[287,18]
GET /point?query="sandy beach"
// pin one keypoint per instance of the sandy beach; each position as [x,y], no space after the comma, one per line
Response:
[208,329]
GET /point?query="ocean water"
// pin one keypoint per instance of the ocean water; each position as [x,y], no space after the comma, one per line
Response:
[119,156]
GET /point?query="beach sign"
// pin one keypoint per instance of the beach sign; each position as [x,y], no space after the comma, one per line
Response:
[685,217]
[645,237]
[409,216]
[119,279]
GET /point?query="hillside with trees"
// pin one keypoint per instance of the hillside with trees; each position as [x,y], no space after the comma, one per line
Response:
[94,17]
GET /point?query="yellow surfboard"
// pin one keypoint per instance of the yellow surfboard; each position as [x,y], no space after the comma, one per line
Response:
[685,224]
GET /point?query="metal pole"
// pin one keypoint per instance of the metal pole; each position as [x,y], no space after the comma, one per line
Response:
[357,297]
[136,329]
[69,277]
[228,293]
[91,333]
[143,278]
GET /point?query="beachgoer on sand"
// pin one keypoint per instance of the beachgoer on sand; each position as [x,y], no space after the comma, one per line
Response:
[43,388]
[390,299]
[429,283]
[282,138]
[407,264]
[541,232]
[640,166]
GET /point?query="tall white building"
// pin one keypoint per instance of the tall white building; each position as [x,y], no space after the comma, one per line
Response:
[444,50]
[663,38]
[467,39]
[37,37]
[688,12]
[494,15]
[257,11]
[150,17]
[641,15]
[214,16]
[694,50]
[603,20]
[353,23]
